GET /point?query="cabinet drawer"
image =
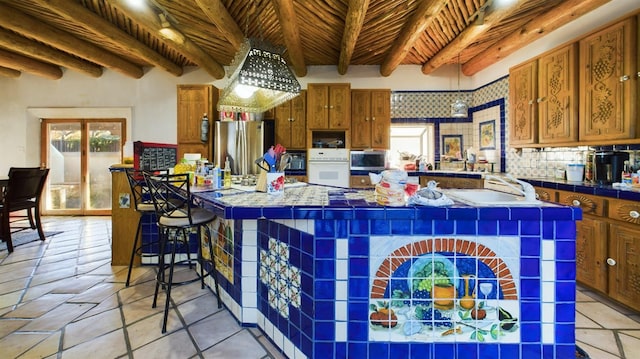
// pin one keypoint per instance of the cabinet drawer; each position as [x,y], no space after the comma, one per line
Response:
[590,204]
[360,182]
[545,194]
[626,211]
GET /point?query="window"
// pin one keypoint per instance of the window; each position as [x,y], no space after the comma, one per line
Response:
[415,139]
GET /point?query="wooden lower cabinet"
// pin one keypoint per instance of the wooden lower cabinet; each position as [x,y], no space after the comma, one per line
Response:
[453,182]
[591,252]
[360,182]
[607,246]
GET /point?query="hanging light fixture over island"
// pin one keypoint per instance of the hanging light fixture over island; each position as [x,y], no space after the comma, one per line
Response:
[260,79]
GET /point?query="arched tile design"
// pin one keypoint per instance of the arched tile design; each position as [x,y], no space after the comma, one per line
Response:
[463,246]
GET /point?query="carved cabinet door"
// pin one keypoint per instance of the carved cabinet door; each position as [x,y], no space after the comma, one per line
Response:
[558,95]
[523,91]
[608,86]
[591,253]
[624,264]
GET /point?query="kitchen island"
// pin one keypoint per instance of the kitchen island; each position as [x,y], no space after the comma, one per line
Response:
[328,273]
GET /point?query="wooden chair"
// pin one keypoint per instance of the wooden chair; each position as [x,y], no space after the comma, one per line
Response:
[23,192]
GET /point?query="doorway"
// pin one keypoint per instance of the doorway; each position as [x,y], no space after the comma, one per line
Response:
[78,153]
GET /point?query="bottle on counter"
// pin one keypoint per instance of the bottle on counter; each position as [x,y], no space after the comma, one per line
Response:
[227,174]
[588,168]
[626,174]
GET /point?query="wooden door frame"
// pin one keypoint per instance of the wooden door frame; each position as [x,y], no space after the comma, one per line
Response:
[44,156]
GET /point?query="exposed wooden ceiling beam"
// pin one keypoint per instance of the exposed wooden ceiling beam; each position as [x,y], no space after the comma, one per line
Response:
[76,13]
[28,26]
[352,27]
[413,29]
[26,64]
[26,47]
[291,33]
[562,14]
[219,16]
[469,35]
[11,73]
[172,37]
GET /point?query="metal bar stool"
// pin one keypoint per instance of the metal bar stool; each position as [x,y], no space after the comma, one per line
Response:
[176,218]
[143,204]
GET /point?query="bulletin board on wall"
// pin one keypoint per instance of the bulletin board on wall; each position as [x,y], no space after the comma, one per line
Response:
[149,156]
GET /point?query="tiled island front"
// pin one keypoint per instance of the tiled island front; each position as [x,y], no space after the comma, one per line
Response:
[327,273]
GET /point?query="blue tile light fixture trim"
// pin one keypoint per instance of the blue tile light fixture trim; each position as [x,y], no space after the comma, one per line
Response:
[314,329]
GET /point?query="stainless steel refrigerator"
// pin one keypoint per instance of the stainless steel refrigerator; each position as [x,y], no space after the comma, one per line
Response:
[242,142]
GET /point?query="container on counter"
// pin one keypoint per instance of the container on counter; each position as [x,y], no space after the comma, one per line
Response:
[575,172]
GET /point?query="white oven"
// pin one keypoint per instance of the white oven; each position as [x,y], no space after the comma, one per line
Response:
[328,166]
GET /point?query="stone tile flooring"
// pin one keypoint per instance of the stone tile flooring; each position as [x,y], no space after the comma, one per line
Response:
[62,299]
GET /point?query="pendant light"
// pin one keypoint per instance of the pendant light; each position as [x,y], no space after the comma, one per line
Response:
[260,78]
[459,107]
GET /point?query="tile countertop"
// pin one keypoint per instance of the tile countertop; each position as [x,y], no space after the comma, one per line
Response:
[586,188]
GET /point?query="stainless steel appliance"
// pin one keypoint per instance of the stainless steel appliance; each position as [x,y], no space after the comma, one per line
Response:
[242,142]
[608,166]
[328,166]
[369,160]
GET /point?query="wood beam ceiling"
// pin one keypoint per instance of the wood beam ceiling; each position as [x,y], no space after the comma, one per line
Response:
[21,63]
[172,37]
[27,26]
[562,14]
[353,26]
[77,13]
[413,29]
[287,18]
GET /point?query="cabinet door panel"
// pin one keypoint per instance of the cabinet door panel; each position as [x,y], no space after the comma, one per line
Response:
[298,121]
[607,100]
[317,106]
[339,106]
[558,96]
[380,118]
[523,89]
[283,123]
[591,253]
[624,276]
[193,103]
[360,119]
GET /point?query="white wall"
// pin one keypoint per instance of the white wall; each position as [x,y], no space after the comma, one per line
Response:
[151,101]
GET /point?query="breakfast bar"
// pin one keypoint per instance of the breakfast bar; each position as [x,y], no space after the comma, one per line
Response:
[328,273]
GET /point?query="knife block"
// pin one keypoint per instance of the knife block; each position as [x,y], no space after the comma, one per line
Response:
[261,182]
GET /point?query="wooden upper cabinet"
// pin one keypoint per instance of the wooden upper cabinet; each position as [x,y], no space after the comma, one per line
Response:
[290,123]
[370,119]
[328,106]
[523,90]
[609,83]
[558,95]
[193,102]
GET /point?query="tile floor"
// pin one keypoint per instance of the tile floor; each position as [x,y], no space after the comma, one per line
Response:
[63,299]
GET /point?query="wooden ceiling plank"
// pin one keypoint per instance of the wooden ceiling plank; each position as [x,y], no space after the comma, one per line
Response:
[17,62]
[291,33]
[220,17]
[413,29]
[26,47]
[28,26]
[10,73]
[469,36]
[560,15]
[353,27]
[173,38]
[75,12]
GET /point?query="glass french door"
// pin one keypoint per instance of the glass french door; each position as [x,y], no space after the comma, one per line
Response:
[78,153]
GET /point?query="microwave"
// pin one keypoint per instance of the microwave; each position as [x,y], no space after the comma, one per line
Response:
[369,160]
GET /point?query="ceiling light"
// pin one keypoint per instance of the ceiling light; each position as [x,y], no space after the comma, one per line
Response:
[459,107]
[163,21]
[260,67]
